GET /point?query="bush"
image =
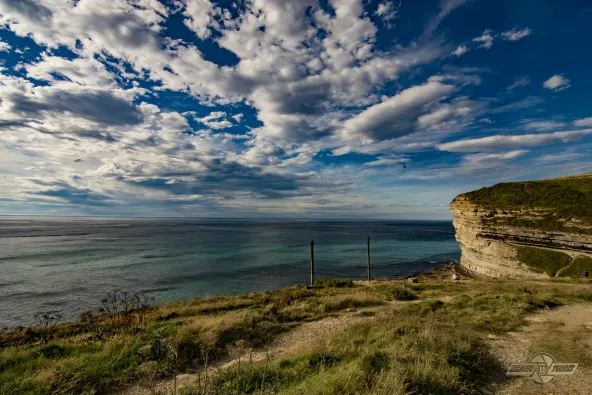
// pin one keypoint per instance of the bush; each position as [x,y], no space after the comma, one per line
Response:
[400,294]
[334,283]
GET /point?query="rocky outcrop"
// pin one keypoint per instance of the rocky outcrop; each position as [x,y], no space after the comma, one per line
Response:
[491,239]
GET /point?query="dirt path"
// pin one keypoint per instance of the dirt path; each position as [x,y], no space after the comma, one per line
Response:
[565,333]
[306,334]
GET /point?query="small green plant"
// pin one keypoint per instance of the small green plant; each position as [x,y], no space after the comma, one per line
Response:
[46,321]
[334,283]
[401,294]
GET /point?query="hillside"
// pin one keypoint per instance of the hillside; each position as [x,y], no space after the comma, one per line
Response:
[435,336]
[527,229]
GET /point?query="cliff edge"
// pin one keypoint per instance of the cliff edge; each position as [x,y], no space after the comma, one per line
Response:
[533,229]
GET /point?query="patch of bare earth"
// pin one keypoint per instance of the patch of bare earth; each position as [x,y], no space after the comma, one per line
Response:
[565,333]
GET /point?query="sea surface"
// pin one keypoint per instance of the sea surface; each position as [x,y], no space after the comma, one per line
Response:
[71,263]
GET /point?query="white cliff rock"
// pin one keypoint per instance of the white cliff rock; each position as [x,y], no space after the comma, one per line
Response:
[490,245]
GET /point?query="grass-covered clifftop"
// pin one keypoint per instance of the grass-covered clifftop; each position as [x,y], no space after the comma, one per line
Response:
[390,337]
[565,201]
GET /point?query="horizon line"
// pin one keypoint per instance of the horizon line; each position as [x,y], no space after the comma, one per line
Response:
[219,218]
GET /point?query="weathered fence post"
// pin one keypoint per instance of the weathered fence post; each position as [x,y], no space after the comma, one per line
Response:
[312,263]
[369,273]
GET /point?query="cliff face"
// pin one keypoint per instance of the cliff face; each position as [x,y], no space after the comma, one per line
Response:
[518,230]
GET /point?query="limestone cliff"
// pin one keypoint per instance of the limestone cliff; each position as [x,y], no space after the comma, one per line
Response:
[527,229]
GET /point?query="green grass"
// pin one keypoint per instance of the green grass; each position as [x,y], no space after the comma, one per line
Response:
[399,294]
[566,198]
[430,341]
[546,261]
[431,347]
[578,266]
[334,283]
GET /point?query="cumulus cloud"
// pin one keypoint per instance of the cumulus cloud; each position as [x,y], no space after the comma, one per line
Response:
[485,40]
[4,47]
[508,142]
[100,106]
[460,50]
[387,11]
[557,83]
[515,34]
[199,16]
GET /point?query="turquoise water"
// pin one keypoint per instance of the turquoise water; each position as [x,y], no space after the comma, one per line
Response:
[71,263]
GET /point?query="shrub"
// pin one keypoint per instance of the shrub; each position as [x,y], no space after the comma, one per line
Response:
[334,283]
[400,294]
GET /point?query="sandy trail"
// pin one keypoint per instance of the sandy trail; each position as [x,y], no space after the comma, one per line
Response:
[565,332]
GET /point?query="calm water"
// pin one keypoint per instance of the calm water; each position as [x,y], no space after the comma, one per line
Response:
[71,263]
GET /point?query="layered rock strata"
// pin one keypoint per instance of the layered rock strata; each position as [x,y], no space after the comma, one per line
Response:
[490,245]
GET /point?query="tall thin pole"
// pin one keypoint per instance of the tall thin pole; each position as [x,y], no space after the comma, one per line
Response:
[312,263]
[369,274]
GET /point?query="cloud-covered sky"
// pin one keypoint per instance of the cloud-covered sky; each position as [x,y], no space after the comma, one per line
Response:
[277,108]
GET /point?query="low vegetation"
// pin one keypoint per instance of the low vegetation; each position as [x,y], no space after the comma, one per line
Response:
[546,261]
[411,338]
[578,266]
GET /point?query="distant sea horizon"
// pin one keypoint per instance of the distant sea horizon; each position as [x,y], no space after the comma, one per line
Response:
[71,262]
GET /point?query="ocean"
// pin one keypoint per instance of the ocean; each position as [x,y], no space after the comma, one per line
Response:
[71,263]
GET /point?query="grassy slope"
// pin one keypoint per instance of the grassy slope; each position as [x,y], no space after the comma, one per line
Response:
[567,198]
[433,344]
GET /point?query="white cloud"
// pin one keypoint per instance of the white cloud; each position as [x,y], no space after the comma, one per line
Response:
[488,162]
[460,50]
[557,83]
[583,122]
[82,71]
[224,124]
[515,34]
[212,116]
[387,11]
[199,15]
[4,47]
[238,117]
[518,83]
[543,126]
[386,161]
[397,115]
[485,40]
[214,121]
[507,142]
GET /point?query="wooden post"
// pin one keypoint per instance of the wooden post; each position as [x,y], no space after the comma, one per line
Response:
[369,274]
[312,263]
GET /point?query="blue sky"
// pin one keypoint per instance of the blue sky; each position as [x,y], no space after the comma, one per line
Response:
[274,108]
